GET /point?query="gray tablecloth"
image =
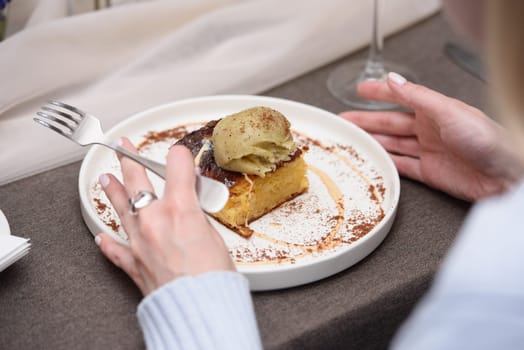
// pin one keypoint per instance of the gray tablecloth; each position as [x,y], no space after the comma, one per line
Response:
[66,295]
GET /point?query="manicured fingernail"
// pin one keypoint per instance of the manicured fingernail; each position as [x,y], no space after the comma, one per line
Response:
[396,78]
[104,180]
[98,239]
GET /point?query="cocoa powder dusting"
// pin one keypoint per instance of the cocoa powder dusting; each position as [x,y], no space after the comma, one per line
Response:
[372,194]
[381,189]
[343,228]
[114,226]
[351,151]
[158,136]
[99,205]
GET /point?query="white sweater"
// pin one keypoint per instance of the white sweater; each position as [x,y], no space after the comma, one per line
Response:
[477,301]
[209,311]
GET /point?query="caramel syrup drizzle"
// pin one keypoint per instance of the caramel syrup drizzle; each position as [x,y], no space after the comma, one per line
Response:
[329,241]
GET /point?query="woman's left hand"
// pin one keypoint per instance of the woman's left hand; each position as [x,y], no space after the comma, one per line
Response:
[443,142]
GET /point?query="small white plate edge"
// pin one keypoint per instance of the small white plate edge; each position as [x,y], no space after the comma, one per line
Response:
[4,225]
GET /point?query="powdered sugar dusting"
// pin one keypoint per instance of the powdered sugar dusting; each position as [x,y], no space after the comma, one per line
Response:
[343,204]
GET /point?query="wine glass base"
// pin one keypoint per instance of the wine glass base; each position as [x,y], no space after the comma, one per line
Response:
[344,80]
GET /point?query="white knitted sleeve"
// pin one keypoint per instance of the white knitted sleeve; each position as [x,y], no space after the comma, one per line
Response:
[213,310]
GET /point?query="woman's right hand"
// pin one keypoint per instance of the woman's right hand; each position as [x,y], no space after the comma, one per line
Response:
[443,142]
[171,237]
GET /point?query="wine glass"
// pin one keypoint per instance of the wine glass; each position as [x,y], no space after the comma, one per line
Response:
[344,80]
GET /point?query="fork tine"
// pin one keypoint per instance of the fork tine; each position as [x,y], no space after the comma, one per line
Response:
[52,127]
[60,113]
[56,120]
[68,107]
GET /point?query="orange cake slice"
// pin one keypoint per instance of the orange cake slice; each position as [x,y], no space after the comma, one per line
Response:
[273,180]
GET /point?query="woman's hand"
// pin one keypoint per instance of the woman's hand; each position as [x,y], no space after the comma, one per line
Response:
[169,238]
[443,143]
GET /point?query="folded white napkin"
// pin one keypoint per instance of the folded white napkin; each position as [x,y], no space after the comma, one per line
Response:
[12,248]
[123,59]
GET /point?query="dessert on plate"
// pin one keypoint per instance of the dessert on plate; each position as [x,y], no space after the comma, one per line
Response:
[253,153]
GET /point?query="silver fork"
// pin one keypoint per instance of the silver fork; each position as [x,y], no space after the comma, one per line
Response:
[86,130]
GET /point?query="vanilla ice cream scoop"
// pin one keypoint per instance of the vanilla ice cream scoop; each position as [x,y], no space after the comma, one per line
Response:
[253,141]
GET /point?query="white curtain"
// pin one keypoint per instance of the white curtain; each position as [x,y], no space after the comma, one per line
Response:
[119,60]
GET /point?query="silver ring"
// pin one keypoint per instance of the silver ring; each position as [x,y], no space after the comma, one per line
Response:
[141,200]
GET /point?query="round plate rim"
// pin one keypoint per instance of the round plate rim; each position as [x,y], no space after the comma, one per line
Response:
[281,276]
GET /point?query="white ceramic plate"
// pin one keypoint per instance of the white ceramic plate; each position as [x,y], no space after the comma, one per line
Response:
[12,248]
[4,225]
[346,213]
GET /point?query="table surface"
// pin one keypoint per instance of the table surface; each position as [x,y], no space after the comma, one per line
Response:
[66,295]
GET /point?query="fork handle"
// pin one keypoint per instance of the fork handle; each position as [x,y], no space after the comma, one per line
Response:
[212,195]
[157,168]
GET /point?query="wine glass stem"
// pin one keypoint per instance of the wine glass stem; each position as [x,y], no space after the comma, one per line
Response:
[374,66]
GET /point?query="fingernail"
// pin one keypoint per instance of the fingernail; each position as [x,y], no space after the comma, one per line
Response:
[396,78]
[104,180]
[98,239]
